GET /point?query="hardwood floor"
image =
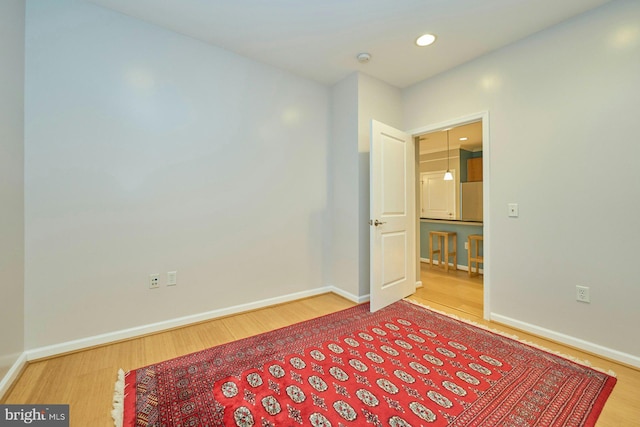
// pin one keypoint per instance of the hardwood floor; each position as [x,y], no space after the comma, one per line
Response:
[85,379]
[455,293]
[454,290]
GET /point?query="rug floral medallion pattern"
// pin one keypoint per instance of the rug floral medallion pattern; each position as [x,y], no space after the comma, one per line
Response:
[401,366]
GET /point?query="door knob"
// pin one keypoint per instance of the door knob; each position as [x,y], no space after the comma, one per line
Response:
[376,223]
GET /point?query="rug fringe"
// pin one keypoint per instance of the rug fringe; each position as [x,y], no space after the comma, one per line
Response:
[579,361]
[118,400]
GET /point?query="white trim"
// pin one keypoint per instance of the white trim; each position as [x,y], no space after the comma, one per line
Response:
[12,374]
[486,191]
[597,349]
[9,359]
[419,284]
[486,168]
[83,343]
[351,297]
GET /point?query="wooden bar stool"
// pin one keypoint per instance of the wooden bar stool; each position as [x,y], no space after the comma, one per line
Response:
[442,243]
[474,240]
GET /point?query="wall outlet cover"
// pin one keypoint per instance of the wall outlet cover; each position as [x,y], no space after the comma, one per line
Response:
[154,281]
[582,294]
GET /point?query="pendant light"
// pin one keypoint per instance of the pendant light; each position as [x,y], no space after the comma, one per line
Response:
[448,176]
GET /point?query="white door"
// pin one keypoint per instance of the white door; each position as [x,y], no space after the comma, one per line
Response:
[438,196]
[392,213]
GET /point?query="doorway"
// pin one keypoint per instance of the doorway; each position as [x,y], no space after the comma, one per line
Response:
[476,146]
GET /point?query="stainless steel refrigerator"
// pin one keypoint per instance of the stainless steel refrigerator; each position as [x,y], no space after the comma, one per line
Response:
[471,201]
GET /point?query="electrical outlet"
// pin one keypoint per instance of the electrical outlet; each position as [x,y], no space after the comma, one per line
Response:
[154,281]
[582,294]
[172,278]
[466,245]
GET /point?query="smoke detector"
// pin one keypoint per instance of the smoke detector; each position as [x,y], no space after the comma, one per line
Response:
[364,57]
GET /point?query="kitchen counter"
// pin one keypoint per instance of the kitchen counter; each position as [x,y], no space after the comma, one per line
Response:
[462,229]
[451,221]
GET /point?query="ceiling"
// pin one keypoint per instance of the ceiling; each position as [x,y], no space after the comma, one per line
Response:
[320,40]
[437,141]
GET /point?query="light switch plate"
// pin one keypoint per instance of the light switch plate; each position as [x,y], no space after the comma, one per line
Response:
[172,278]
[513,210]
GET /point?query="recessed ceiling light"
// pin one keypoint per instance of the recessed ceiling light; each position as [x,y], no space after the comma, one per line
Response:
[464,138]
[425,40]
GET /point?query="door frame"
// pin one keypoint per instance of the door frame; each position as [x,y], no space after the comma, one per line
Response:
[482,116]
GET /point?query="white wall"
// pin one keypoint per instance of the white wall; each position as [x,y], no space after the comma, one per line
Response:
[147,152]
[356,100]
[11,182]
[382,102]
[563,110]
[343,250]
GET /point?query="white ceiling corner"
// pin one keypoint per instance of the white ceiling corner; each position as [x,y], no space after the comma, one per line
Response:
[319,40]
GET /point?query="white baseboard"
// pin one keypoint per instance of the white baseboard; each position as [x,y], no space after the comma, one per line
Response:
[12,374]
[83,343]
[79,344]
[56,349]
[349,295]
[616,355]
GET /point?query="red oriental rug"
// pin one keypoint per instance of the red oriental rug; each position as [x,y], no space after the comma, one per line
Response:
[401,366]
